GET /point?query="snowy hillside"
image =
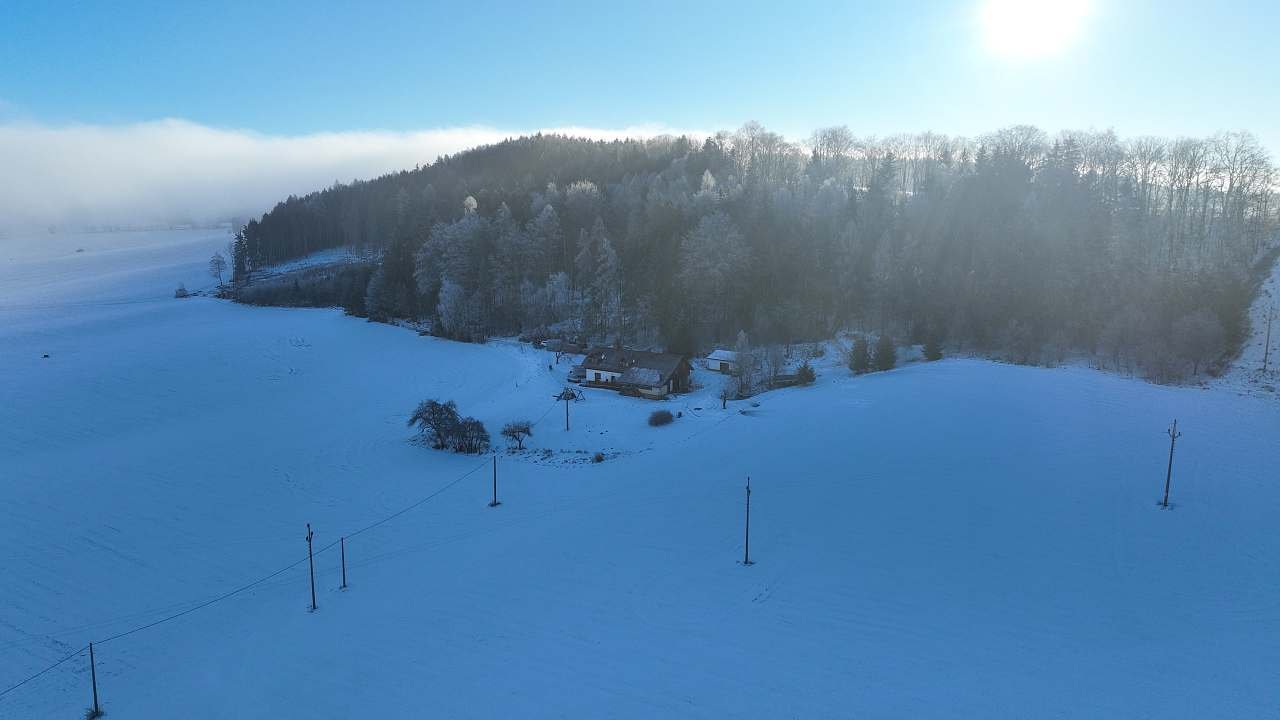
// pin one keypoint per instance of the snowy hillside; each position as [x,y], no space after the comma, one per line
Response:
[952,539]
[1246,374]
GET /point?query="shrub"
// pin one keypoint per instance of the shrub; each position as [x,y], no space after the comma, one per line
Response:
[806,374]
[471,437]
[660,417]
[598,457]
[181,292]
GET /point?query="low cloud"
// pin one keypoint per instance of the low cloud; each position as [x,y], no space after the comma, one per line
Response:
[178,171]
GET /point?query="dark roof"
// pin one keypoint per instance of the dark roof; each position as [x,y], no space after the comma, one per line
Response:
[621,360]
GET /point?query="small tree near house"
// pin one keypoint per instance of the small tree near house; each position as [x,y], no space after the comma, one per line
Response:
[516,431]
[728,391]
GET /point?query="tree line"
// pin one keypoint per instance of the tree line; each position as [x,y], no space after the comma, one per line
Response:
[1143,252]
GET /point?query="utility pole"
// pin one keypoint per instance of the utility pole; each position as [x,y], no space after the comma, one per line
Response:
[342,550]
[746,545]
[495,502]
[311,561]
[1266,349]
[93,678]
[566,395]
[1173,439]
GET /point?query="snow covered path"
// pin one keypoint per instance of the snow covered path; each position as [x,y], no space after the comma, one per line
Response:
[957,539]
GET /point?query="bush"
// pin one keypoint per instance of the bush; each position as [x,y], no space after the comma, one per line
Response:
[472,437]
[660,417]
[598,457]
[806,374]
[181,292]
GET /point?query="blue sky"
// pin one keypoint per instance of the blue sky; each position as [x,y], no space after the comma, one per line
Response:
[301,93]
[301,67]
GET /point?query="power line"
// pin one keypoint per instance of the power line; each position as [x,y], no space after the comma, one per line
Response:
[249,585]
[11,688]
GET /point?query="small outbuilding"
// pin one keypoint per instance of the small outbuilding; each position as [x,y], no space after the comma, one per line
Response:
[725,361]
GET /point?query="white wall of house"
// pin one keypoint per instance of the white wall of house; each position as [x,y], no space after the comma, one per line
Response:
[723,366]
[602,376]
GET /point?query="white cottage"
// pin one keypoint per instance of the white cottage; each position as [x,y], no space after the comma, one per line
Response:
[725,361]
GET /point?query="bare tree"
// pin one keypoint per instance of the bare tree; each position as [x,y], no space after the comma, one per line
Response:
[728,390]
[516,431]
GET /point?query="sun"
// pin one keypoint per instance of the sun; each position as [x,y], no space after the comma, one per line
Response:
[1024,29]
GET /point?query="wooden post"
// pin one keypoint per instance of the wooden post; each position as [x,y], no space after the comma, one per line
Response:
[566,410]
[494,502]
[746,545]
[93,678]
[342,549]
[311,561]
[1266,350]
[1168,475]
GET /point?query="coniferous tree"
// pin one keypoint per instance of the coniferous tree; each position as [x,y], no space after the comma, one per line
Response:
[860,355]
[886,353]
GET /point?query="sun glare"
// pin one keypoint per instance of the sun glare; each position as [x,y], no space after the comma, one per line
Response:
[1031,28]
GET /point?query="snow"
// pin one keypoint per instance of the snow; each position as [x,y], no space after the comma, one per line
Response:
[951,539]
[1246,375]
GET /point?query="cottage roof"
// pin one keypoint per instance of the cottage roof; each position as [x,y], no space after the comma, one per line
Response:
[621,361]
[642,376]
[723,356]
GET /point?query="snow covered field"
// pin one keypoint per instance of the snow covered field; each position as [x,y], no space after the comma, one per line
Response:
[955,539]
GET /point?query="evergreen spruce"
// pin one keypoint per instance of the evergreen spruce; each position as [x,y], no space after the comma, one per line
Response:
[886,354]
[860,357]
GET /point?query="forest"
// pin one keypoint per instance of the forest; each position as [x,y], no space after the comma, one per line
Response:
[1143,253]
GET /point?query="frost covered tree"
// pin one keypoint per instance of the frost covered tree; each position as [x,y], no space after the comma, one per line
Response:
[451,310]
[217,266]
[1019,243]
[713,262]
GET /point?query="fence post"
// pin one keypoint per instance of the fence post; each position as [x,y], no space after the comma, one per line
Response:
[746,545]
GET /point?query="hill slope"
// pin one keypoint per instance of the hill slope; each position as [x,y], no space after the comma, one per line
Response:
[955,539]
